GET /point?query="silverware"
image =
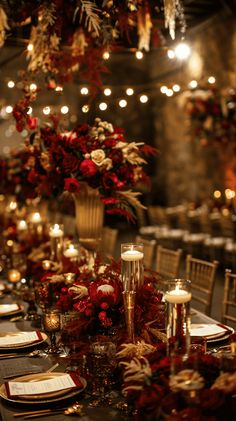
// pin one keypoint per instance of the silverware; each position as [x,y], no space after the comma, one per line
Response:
[75,408]
[15,355]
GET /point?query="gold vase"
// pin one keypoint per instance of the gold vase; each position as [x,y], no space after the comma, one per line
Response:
[89,214]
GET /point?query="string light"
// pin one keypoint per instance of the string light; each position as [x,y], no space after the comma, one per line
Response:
[106,55]
[211,80]
[46,110]
[123,103]
[143,99]
[217,194]
[163,89]
[64,109]
[176,88]
[84,91]
[139,55]
[103,106]
[11,84]
[30,47]
[33,87]
[182,51]
[193,84]
[85,108]
[171,54]
[169,92]
[9,109]
[30,110]
[107,91]
[129,91]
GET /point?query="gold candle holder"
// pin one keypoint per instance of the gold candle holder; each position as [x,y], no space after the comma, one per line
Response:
[129,303]
[56,233]
[52,325]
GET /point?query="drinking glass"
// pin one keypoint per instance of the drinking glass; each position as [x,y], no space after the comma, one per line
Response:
[101,363]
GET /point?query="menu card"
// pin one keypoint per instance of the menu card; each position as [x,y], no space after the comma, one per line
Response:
[43,386]
[8,308]
[208,329]
[17,338]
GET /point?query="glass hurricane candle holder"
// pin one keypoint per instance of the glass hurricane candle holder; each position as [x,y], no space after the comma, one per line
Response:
[52,325]
[132,278]
[56,233]
[178,296]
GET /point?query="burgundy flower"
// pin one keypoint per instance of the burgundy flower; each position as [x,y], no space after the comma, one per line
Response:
[72,185]
[116,156]
[88,168]
[70,163]
[111,181]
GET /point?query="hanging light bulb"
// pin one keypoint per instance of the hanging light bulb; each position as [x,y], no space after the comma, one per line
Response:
[64,109]
[84,91]
[10,84]
[107,91]
[143,99]
[103,106]
[46,110]
[193,84]
[171,54]
[169,92]
[106,55]
[122,103]
[85,108]
[33,87]
[139,55]
[182,51]
[163,89]
[9,109]
[30,110]
[176,87]
[129,91]
[211,80]
[30,47]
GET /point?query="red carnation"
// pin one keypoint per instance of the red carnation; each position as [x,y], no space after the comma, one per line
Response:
[88,168]
[72,185]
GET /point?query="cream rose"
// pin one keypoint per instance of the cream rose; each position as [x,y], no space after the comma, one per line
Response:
[98,156]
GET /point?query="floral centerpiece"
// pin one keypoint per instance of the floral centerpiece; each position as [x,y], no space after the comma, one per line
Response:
[156,392]
[96,296]
[98,155]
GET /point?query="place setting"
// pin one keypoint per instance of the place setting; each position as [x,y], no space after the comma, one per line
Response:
[8,310]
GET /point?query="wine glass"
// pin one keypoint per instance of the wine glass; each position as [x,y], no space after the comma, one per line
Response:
[101,363]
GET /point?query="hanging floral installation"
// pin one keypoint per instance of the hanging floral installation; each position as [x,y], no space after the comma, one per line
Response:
[213,117]
[68,36]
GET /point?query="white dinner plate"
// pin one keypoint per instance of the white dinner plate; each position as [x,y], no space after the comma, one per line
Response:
[22,345]
[10,309]
[46,397]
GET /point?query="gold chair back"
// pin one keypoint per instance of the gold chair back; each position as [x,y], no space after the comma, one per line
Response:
[148,250]
[167,262]
[108,242]
[229,301]
[202,276]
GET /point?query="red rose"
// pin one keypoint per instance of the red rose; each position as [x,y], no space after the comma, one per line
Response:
[32,123]
[88,168]
[72,185]
[111,181]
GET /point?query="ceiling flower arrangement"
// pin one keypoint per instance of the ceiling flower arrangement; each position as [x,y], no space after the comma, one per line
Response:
[70,35]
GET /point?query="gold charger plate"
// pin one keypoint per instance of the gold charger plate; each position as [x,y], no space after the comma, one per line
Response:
[211,336]
[223,337]
[13,312]
[22,345]
[58,395]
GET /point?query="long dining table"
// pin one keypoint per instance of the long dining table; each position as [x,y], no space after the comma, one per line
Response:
[23,364]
